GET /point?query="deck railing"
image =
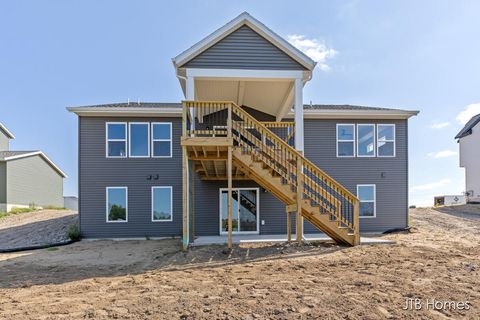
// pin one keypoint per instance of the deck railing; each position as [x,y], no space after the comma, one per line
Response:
[258,140]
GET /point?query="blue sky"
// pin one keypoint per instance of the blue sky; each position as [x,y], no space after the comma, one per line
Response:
[420,55]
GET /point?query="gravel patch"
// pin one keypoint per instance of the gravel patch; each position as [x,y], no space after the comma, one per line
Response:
[44,227]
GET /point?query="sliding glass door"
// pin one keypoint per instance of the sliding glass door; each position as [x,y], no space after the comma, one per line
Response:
[245,208]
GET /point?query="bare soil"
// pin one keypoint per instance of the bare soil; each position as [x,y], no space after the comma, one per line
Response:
[439,259]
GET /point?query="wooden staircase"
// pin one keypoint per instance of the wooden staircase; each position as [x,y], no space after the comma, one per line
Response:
[269,160]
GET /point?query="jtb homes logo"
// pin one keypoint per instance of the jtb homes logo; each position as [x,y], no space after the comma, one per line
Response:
[432,304]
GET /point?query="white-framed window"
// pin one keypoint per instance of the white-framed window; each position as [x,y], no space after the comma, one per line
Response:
[365,140]
[366,193]
[139,139]
[116,139]
[116,204]
[162,204]
[386,140]
[345,140]
[161,139]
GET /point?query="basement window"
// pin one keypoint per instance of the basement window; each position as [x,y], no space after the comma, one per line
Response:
[345,140]
[366,193]
[117,204]
[162,204]
[386,140]
[162,139]
[116,139]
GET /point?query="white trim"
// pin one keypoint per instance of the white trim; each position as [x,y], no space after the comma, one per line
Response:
[130,139]
[171,203]
[244,74]
[126,205]
[373,139]
[394,140]
[152,139]
[298,109]
[353,141]
[9,134]
[244,19]
[374,200]
[126,111]
[124,140]
[40,153]
[220,211]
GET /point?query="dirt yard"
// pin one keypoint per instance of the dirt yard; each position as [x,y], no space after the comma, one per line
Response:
[439,259]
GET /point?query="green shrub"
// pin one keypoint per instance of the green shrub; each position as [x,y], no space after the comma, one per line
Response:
[73,233]
[21,210]
[50,207]
[3,214]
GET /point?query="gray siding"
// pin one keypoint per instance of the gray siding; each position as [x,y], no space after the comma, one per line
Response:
[3,182]
[4,141]
[98,172]
[392,189]
[33,180]
[244,49]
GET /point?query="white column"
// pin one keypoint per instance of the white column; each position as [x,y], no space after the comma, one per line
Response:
[190,95]
[298,107]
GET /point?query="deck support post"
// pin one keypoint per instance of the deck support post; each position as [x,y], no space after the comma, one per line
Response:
[185,218]
[299,217]
[229,178]
[289,226]
[356,220]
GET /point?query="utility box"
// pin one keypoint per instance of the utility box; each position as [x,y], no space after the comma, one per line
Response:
[453,200]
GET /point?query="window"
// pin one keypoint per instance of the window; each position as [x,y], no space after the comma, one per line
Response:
[162,204]
[117,204]
[139,139]
[367,196]
[386,140]
[345,140]
[366,140]
[161,140]
[116,139]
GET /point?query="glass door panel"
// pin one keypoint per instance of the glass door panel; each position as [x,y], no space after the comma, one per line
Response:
[224,210]
[248,210]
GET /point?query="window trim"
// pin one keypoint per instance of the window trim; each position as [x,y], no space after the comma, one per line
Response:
[152,140]
[374,200]
[130,139]
[171,202]
[122,140]
[354,139]
[374,140]
[126,205]
[394,139]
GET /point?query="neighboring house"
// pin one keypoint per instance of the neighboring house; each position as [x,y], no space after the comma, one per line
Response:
[70,202]
[27,177]
[469,143]
[242,153]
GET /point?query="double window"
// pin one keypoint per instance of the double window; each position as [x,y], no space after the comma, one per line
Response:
[365,140]
[144,140]
[366,193]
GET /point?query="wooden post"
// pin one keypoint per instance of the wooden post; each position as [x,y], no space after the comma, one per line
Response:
[299,218]
[229,177]
[185,233]
[356,219]
[289,226]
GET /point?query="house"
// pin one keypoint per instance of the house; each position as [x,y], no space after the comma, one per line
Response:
[27,177]
[469,143]
[243,154]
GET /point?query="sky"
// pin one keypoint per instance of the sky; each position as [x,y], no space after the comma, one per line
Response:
[419,55]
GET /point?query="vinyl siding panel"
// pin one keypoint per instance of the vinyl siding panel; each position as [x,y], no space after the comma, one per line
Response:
[4,141]
[98,172]
[33,180]
[3,182]
[244,49]
[391,189]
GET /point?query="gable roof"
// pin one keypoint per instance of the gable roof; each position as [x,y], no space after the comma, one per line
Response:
[6,131]
[467,129]
[244,19]
[13,155]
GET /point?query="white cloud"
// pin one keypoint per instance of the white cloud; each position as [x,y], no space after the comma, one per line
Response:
[443,154]
[470,111]
[440,125]
[432,185]
[314,48]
